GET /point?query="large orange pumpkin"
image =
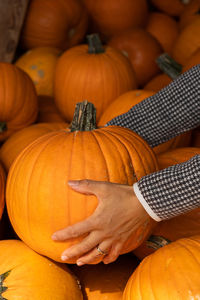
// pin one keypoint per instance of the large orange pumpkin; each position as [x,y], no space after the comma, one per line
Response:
[142,49]
[49,23]
[39,200]
[29,276]
[106,282]
[111,17]
[2,189]
[39,64]
[18,100]
[24,137]
[96,73]
[171,273]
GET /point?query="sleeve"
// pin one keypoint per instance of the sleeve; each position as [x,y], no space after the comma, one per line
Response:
[172,191]
[173,110]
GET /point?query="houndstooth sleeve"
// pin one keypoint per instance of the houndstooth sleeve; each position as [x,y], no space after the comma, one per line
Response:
[170,112]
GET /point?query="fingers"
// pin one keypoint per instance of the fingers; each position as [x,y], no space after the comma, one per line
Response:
[113,253]
[86,245]
[95,256]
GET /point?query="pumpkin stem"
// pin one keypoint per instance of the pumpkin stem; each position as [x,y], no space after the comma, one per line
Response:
[94,44]
[186,1]
[169,66]
[84,117]
[3,126]
[157,242]
[2,287]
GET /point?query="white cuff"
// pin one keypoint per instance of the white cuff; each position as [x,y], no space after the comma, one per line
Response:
[146,206]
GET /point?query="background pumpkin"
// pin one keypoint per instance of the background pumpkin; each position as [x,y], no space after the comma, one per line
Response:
[48,111]
[55,158]
[18,100]
[190,13]
[2,189]
[39,64]
[171,7]
[27,275]
[48,23]
[19,140]
[142,49]
[94,73]
[176,264]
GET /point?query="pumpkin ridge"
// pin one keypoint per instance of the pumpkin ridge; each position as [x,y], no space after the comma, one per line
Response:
[2,287]
[188,249]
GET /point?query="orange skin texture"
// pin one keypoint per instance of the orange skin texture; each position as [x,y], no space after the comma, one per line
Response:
[24,137]
[158,82]
[39,64]
[2,189]
[98,78]
[42,203]
[170,7]
[192,61]
[171,273]
[18,99]
[111,17]
[61,24]
[187,42]
[164,28]
[189,14]
[48,112]
[111,281]
[142,49]
[122,104]
[33,276]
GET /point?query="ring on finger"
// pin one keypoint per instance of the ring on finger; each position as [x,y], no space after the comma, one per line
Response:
[101,251]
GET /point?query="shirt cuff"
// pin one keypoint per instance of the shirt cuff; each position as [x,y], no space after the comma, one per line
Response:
[146,206]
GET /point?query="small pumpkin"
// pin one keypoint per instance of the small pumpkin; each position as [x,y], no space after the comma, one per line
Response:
[39,63]
[171,7]
[106,282]
[61,24]
[41,202]
[93,72]
[189,14]
[48,111]
[28,275]
[18,100]
[2,189]
[142,49]
[24,137]
[164,28]
[170,273]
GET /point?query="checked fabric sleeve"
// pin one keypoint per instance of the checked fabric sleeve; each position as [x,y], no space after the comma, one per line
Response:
[172,111]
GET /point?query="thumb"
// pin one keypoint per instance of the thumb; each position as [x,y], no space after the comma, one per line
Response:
[89,187]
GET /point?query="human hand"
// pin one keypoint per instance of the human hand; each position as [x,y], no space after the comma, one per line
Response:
[118,216]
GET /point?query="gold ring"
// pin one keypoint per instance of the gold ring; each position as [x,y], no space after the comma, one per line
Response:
[101,251]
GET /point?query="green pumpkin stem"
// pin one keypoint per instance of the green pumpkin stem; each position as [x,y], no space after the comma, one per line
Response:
[169,66]
[94,44]
[2,287]
[84,117]
[157,242]
[3,126]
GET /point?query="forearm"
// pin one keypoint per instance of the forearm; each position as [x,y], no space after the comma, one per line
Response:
[170,112]
[172,191]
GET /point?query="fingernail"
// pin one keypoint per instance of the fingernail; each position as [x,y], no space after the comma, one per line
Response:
[73,182]
[54,237]
[64,257]
[79,263]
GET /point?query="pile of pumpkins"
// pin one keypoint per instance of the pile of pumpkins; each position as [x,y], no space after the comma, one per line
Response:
[79,64]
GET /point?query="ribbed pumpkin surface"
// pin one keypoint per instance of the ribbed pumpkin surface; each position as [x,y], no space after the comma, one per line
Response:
[2,189]
[33,277]
[39,199]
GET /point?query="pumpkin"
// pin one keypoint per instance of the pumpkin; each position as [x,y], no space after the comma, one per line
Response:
[142,49]
[111,17]
[2,189]
[48,111]
[18,100]
[190,13]
[27,275]
[41,202]
[39,64]
[164,28]
[122,104]
[96,73]
[171,273]
[61,24]
[171,7]
[19,140]
[192,61]
[106,282]
[187,42]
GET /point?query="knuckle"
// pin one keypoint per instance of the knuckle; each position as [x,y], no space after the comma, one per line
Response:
[86,182]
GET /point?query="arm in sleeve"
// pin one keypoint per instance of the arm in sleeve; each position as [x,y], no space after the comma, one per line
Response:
[173,110]
[172,191]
